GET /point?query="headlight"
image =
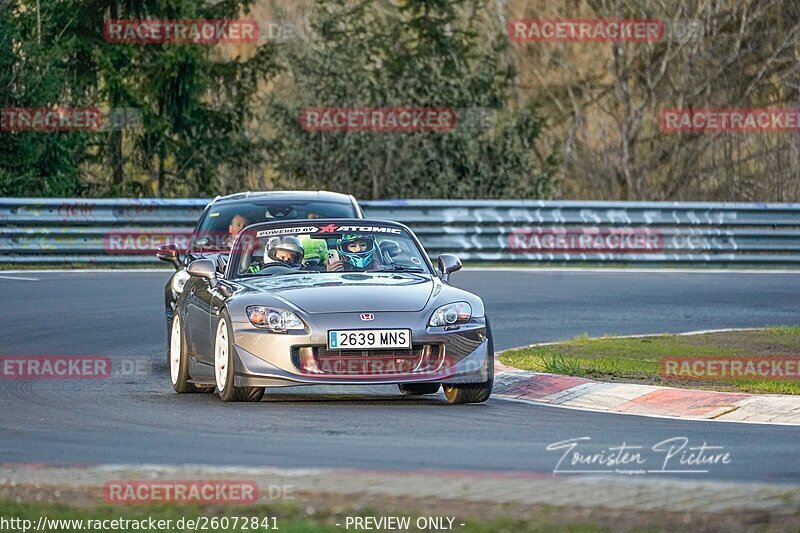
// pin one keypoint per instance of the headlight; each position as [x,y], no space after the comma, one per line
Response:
[274,320]
[447,315]
[179,280]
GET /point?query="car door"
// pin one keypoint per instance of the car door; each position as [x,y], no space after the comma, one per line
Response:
[208,302]
[200,320]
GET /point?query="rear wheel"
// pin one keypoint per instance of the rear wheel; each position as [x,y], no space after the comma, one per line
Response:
[474,392]
[223,366]
[418,389]
[176,355]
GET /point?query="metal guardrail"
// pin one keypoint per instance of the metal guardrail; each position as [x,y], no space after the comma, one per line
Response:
[70,231]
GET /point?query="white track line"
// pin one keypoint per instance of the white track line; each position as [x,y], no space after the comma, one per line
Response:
[19,278]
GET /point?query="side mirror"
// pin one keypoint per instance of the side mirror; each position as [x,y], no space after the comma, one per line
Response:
[207,269]
[170,254]
[448,263]
[203,268]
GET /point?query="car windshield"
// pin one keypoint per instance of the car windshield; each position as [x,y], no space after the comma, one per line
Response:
[326,247]
[222,222]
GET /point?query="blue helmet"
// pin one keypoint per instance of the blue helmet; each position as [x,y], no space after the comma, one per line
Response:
[361,258]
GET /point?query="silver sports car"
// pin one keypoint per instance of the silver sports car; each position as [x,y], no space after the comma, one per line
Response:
[329,301]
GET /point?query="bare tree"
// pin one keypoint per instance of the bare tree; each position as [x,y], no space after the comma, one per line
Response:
[605,99]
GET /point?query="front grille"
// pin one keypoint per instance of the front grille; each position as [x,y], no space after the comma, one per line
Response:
[320,360]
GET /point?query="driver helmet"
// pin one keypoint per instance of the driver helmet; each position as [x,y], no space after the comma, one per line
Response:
[288,250]
[361,256]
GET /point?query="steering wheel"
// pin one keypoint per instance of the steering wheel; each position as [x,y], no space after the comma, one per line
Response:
[276,268]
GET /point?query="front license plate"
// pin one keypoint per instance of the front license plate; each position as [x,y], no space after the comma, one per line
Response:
[359,339]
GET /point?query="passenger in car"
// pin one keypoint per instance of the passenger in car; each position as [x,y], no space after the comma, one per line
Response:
[356,254]
[238,223]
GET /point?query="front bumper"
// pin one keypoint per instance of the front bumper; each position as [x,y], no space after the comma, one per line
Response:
[264,359]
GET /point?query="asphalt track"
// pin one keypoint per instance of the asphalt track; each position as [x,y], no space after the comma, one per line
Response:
[134,417]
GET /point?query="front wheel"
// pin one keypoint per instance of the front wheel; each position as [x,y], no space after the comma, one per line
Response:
[223,366]
[474,392]
[178,363]
[468,393]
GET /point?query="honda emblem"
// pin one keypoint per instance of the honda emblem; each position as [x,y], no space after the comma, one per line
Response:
[367,316]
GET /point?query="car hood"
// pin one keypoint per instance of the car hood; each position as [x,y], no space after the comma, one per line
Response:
[348,292]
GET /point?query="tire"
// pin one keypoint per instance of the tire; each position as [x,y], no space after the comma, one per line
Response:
[418,389]
[176,358]
[474,392]
[223,366]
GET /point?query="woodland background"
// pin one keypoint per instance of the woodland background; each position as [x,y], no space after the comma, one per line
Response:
[566,120]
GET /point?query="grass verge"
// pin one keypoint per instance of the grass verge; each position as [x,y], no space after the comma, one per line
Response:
[638,360]
[262,518]
[328,512]
[320,518]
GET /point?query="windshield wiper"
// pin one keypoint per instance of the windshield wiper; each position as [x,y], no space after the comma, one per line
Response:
[267,274]
[401,268]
